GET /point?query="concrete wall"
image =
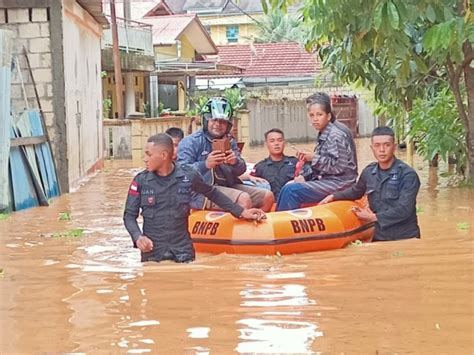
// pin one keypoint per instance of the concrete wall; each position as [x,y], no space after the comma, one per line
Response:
[36,27]
[63,45]
[83,89]
[264,103]
[125,139]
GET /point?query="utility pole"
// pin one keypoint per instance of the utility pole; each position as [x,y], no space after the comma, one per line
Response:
[117,66]
[128,76]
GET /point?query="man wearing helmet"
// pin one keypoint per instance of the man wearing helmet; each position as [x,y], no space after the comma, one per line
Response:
[220,168]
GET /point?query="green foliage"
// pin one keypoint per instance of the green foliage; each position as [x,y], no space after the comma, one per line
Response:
[106,107]
[234,95]
[64,216]
[156,112]
[398,48]
[436,127]
[463,226]
[235,98]
[197,103]
[4,216]
[71,233]
[280,27]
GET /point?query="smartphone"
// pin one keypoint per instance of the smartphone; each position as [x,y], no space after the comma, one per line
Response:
[222,145]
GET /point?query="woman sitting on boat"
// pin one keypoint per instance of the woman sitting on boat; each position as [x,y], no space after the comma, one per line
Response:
[334,161]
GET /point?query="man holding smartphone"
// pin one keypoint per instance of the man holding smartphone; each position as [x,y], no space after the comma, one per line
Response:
[391,187]
[215,155]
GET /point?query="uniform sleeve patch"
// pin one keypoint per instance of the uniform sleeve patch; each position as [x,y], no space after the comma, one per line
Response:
[133,191]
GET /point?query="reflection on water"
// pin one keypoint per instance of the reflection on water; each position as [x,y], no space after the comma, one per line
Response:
[275,296]
[91,294]
[276,336]
[285,329]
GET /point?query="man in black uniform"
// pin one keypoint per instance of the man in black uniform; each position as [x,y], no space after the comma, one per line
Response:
[163,193]
[278,168]
[391,186]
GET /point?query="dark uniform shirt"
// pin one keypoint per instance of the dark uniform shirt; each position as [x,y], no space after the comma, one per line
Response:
[164,202]
[392,197]
[278,173]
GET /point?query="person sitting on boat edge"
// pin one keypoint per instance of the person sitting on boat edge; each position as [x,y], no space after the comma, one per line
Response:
[218,167]
[333,162]
[391,187]
[163,193]
[278,168]
[177,136]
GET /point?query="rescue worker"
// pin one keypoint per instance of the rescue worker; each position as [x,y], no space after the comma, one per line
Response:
[391,187]
[163,193]
[278,169]
[176,135]
[219,168]
[333,163]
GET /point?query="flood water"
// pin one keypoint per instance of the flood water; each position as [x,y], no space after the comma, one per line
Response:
[91,294]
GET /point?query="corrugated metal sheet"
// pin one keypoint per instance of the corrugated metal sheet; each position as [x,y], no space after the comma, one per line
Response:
[23,187]
[44,157]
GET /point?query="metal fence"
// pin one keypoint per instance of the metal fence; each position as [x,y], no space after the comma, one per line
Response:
[289,116]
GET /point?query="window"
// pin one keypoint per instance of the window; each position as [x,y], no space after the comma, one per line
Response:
[232,34]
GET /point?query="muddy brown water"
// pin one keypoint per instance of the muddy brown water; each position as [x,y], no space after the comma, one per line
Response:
[91,294]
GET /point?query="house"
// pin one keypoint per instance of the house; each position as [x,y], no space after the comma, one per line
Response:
[265,64]
[137,61]
[276,78]
[62,39]
[226,21]
[178,40]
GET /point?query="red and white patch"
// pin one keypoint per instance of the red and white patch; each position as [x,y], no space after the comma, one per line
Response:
[133,191]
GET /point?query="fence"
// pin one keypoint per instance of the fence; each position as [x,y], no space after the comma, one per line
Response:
[125,139]
[289,116]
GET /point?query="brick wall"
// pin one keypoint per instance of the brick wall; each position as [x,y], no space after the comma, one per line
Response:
[31,29]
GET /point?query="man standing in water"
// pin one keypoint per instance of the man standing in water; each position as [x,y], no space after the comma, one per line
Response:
[391,186]
[163,193]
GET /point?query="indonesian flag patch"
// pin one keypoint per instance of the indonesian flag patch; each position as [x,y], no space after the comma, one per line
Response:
[133,191]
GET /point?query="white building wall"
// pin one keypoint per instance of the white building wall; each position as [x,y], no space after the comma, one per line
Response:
[83,85]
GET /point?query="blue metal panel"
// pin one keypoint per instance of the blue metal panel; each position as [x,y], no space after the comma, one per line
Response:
[23,128]
[24,192]
[45,157]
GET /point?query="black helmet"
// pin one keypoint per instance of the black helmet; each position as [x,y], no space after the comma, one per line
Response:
[217,108]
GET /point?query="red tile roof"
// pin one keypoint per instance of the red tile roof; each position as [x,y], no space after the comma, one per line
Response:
[269,59]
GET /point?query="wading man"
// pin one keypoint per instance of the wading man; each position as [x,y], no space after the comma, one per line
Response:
[391,187]
[163,193]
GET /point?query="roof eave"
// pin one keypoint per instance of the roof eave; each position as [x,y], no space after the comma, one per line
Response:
[95,9]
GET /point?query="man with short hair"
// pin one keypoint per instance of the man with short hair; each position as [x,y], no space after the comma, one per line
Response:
[278,168]
[218,167]
[163,193]
[176,135]
[391,186]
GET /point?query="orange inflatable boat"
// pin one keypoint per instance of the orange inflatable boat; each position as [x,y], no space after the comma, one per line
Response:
[324,227]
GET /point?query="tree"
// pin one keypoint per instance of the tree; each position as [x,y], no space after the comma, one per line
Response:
[398,47]
[280,27]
